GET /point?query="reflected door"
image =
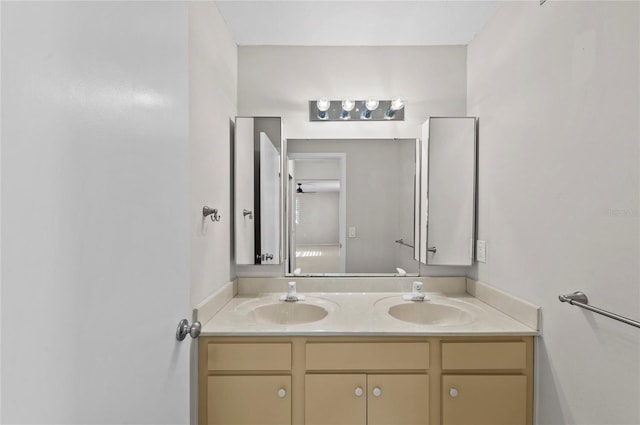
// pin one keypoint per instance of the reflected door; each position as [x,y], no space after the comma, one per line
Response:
[269,201]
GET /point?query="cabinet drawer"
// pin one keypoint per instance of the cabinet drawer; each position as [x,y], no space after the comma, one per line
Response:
[484,355]
[367,356]
[246,356]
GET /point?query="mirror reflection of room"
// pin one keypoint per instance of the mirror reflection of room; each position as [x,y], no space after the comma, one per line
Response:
[352,201]
[316,216]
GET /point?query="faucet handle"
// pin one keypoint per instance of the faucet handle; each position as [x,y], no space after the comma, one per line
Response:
[292,293]
[416,293]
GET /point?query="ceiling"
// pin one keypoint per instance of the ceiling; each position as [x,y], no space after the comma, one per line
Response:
[355,22]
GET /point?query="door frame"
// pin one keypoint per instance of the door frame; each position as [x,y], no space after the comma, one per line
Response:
[341,157]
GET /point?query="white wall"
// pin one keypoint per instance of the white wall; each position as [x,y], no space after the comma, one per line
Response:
[281,80]
[95,207]
[0,219]
[318,219]
[557,90]
[213,84]
[321,169]
[318,212]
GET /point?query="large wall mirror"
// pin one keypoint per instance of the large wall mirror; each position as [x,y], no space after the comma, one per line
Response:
[355,206]
[448,191]
[258,200]
[351,207]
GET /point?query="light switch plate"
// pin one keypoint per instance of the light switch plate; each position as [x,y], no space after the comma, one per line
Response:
[352,232]
[481,251]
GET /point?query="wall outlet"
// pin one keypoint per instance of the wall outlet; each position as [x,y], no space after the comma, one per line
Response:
[352,232]
[481,251]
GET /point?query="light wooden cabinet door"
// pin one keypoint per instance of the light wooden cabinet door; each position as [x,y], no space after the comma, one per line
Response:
[484,400]
[366,399]
[249,400]
[335,399]
[398,399]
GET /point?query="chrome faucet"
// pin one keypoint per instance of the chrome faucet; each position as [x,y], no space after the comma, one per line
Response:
[292,295]
[416,293]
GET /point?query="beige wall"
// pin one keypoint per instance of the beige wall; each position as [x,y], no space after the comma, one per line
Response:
[212,106]
[556,88]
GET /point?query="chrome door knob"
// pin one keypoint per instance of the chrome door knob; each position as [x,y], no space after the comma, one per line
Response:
[282,393]
[377,392]
[359,391]
[185,329]
[453,392]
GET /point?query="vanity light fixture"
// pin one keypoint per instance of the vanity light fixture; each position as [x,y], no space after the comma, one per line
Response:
[323,106]
[369,106]
[347,110]
[396,105]
[347,107]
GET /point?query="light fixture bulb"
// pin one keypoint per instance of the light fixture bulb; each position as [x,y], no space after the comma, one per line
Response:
[371,104]
[323,105]
[397,104]
[348,105]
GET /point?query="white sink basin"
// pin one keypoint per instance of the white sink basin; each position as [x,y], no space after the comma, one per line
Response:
[440,311]
[289,313]
[270,310]
[429,313]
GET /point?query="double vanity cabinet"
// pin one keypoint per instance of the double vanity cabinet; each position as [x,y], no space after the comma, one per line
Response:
[352,380]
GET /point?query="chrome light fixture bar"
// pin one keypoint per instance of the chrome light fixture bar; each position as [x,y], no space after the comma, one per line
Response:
[356,110]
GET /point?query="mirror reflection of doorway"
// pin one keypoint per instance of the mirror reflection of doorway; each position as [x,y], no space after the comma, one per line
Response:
[317,225]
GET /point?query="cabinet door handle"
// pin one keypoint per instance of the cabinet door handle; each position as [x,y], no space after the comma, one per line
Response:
[377,392]
[359,391]
[453,392]
[282,393]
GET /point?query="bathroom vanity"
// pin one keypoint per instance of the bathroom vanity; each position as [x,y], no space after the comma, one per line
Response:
[366,380]
[373,358]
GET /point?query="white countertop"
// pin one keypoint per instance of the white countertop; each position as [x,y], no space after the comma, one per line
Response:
[361,314]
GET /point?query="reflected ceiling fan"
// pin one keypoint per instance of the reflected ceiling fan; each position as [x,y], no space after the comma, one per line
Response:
[304,192]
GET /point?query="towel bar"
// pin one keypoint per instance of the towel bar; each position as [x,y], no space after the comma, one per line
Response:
[580,299]
[402,242]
